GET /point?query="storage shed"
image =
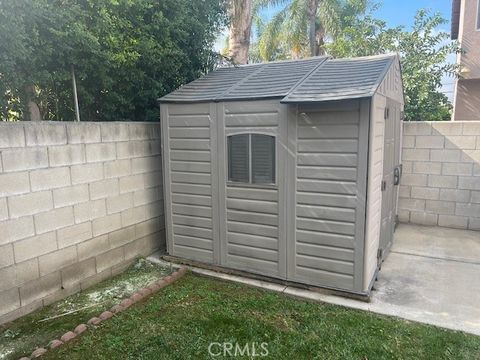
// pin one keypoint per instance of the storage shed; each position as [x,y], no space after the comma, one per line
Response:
[286,169]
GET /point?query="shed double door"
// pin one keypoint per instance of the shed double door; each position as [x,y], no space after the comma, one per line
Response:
[307,227]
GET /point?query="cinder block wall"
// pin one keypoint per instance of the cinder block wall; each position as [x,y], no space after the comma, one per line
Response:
[441,177]
[78,202]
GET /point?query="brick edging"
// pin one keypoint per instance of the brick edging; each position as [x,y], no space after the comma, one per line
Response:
[123,305]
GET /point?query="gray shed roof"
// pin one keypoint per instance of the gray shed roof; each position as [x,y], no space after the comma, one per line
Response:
[310,80]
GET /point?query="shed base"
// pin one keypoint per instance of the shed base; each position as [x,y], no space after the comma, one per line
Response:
[323,290]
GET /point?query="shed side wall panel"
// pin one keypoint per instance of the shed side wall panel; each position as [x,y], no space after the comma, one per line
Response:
[390,88]
[374,192]
[327,194]
[188,161]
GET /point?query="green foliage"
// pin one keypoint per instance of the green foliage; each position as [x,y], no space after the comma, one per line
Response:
[363,35]
[423,52]
[126,54]
[285,36]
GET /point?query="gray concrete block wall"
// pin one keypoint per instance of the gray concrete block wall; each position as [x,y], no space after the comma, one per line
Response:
[441,179]
[78,202]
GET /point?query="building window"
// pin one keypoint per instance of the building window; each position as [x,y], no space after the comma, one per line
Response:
[251,158]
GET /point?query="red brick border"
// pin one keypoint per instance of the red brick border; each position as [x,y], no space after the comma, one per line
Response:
[123,305]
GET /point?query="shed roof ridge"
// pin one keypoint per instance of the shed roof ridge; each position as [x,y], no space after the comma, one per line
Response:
[307,75]
[238,83]
[283,61]
[368,57]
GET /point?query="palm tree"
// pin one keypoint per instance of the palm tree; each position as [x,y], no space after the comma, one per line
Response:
[300,28]
[240,14]
[313,27]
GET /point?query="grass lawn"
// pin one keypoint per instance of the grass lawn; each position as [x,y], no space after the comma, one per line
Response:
[182,320]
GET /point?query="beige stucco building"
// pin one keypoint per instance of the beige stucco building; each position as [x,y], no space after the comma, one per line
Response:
[466,28]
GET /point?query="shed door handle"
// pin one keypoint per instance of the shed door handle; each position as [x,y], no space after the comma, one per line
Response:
[396,175]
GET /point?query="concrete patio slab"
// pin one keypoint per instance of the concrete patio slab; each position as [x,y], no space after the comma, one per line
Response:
[432,276]
[438,242]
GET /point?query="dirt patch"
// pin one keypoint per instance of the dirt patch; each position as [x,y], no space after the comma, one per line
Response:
[23,335]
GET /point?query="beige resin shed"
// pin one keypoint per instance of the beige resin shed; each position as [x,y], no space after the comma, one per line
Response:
[286,169]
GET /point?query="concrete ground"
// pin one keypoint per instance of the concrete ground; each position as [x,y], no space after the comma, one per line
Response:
[432,275]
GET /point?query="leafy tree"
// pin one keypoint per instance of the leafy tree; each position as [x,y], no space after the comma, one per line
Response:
[126,53]
[302,27]
[363,35]
[31,43]
[423,52]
